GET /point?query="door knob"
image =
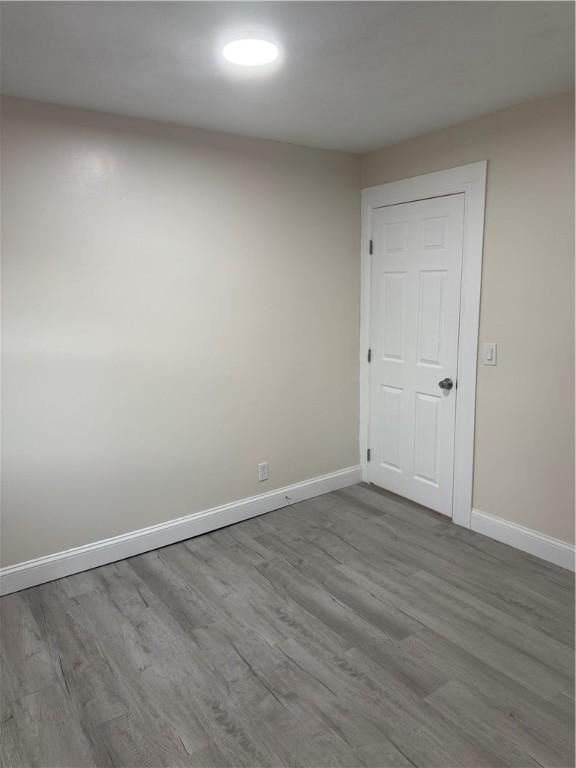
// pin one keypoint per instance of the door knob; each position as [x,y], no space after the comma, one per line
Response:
[446,384]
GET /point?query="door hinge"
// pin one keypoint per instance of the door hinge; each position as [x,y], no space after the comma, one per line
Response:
[371,247]
[369,355]
[368,454]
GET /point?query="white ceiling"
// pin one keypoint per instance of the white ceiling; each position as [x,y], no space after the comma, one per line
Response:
[355,75]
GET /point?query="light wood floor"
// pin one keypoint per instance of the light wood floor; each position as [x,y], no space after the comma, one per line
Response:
[351,630]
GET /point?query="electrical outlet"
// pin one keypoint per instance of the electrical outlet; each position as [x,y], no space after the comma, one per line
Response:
[263,471]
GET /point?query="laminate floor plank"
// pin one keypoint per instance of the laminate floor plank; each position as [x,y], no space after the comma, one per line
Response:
[53,736]
[28,666]
[519,568]
[457,622]
[468,709]
[353,629]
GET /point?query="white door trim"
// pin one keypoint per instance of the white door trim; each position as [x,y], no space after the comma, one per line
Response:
[470,180]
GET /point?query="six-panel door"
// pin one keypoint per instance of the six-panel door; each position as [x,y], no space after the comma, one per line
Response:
[415,307]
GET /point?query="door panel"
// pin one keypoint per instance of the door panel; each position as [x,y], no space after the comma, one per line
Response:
[393,298]
[415,308]
[430,300]
[426,425]
[391,413]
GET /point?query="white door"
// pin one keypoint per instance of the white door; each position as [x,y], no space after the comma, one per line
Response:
[415,308]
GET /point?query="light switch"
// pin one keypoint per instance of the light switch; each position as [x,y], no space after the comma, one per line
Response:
[489,353]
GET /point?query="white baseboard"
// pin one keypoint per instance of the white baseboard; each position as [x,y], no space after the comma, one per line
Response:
[28,574]
[528,540]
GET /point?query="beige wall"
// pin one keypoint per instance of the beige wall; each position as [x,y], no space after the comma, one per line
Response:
[179,305]
[524,467]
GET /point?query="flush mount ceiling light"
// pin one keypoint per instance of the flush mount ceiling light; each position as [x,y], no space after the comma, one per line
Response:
[250,52]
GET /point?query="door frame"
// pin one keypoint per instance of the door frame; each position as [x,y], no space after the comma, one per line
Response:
[471,181]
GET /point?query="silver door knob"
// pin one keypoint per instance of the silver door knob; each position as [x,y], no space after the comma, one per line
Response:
[446,384]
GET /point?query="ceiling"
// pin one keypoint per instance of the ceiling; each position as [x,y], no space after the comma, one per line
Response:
[354,75]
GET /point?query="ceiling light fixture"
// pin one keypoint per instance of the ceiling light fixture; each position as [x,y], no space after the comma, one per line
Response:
[250,52]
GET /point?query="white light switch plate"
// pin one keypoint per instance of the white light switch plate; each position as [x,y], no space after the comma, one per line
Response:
[489,353]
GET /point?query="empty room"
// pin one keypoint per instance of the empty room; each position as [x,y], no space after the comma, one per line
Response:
[287,384]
